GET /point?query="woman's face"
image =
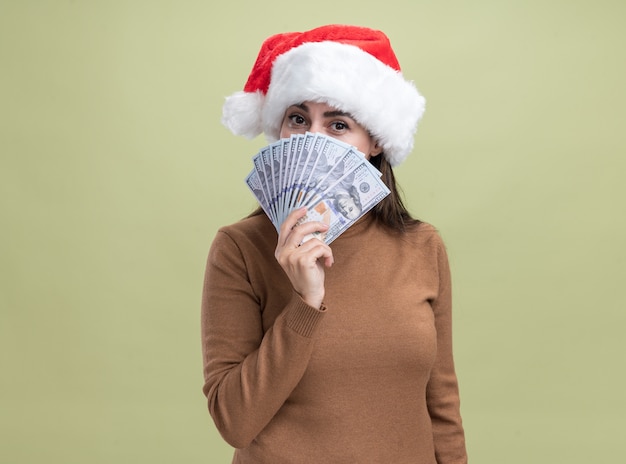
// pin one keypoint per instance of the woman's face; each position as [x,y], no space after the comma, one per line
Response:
[322,118]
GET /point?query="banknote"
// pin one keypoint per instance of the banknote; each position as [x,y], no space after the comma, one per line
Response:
[256,186]
[323,177]
[345,201]
[329,156]
[295,152]
[264,179]
[333,180]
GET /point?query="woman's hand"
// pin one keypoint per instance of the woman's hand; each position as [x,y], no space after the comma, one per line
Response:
[304,262]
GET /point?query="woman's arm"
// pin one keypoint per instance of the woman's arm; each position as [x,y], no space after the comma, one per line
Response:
[442,392]
[248,373]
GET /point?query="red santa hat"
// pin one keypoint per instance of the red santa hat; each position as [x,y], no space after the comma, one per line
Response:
[351,68]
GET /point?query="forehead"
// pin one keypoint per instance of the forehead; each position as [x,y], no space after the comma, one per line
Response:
[321,108]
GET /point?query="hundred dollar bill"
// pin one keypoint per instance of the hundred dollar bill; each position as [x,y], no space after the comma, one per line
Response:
[346,201]
[311,149]
[264,179]
[255,185]
[266,160]
[275,158]
[321,180]
[330,158]
[295,150]
[285,162]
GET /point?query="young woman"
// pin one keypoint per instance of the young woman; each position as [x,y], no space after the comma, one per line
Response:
[343,353]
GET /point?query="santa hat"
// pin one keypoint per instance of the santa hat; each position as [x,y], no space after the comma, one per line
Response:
[351,68]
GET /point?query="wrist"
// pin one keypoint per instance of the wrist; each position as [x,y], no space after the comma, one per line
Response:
[314,301]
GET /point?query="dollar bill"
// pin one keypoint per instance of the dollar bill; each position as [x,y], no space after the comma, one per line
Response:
[333,180]
[256,187]
[295,151]
[264,179]
[323,178]
[330,156]
[311,148]
[347,200]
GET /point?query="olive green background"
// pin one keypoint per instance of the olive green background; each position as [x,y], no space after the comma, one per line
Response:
[116,172]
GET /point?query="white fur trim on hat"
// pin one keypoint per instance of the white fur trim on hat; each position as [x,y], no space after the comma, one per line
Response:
[351,80]
[241,113]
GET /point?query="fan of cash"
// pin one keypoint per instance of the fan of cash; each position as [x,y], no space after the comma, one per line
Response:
[333,180]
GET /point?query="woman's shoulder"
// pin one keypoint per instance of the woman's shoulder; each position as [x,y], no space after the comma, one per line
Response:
[247,224]
[427,241]
[255,229]
[426,228]
[424,238]
[425,232]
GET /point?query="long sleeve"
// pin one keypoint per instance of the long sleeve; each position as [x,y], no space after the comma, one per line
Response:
[369,380]
[249,369]
[442,391]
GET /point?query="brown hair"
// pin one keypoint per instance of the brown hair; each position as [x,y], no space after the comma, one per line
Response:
[391,211]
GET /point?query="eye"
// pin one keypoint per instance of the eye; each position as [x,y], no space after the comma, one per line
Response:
[296,119]
[339,126]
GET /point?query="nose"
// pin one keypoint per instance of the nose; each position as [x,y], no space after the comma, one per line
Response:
[316,126]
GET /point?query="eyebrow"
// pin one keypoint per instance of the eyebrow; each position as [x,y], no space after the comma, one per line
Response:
[327,114]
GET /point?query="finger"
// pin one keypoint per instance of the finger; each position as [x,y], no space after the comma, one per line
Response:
[306,231]
[289,224]
[316,249]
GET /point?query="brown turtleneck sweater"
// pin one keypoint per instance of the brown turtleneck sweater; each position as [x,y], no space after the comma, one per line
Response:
[368,378]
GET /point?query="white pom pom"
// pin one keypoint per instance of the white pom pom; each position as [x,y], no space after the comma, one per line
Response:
[241,113]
